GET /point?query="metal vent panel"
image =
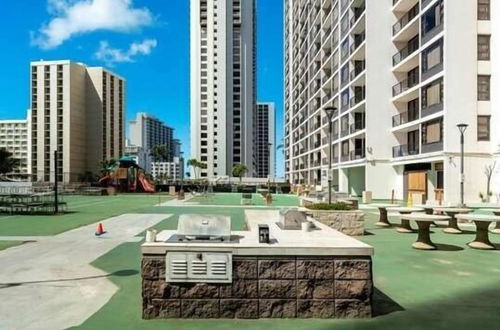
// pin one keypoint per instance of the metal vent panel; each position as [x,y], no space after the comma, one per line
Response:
[201,267]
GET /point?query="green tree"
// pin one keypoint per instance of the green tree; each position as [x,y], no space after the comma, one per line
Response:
[106,165]
[239,170]
[7,163]
[196,165]
[159,153]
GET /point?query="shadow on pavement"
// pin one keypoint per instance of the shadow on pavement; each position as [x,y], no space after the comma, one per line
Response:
[120,273]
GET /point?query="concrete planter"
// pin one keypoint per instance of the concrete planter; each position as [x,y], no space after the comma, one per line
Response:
[351,223]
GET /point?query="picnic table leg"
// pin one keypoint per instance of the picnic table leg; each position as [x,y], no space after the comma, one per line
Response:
[496,230]
[482,242]
[452,225]
[383,220]
[405,227]
[424,237]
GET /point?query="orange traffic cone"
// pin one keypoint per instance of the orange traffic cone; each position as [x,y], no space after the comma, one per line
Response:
[100,230]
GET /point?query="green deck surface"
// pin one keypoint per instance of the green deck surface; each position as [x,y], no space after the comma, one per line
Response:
[82,210]
[7,244]
[453,288]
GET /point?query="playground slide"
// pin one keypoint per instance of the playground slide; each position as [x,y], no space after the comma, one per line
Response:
[146,186]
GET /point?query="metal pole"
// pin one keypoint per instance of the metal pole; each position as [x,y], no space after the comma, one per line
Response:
[330,162]
[462,142]
[56,197]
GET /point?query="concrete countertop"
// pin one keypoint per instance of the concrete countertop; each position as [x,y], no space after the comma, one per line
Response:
[322,241]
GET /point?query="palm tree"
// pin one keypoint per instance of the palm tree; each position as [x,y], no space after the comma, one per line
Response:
[194,164]
[239,170]
[7,163]
[159,153]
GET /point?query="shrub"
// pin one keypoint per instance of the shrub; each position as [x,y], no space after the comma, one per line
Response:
[338,206]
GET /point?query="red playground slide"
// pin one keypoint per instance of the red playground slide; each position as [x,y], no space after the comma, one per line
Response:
[146,186]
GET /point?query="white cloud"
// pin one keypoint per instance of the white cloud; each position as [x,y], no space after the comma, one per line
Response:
[74,17]
[111,55]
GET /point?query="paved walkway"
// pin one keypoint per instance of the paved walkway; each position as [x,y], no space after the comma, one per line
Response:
[50,284]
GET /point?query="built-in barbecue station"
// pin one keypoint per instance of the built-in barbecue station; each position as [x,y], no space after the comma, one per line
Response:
[284,265]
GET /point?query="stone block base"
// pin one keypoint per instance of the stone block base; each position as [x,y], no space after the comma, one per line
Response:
[265,287]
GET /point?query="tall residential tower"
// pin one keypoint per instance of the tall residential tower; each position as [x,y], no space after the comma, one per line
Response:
[265,140]
[401,75]
[223,60]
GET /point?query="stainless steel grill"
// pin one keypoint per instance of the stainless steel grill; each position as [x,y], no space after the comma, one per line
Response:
[203,228]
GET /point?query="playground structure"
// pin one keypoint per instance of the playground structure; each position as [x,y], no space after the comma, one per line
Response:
[126,176]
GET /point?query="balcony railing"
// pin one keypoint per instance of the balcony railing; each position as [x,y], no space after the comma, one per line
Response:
[404,150]
[344,132]
[356,127]
[405,52]
[357,154]
[345,158]
[407,18]
[405,117]
[358,12]
[405,85]
[356,99]
[358,40]
[357,70]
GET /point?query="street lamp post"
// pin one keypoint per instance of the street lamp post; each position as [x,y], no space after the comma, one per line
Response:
[330,112]
[462,128]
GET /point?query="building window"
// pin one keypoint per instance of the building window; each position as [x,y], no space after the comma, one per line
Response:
[483,47]
[483,128]
[432,132]
[483,88]
[432,94]
[483,10]
[433,18]
[432,56]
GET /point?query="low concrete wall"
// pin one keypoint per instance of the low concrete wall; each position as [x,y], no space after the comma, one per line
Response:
[265,287]
[351,223]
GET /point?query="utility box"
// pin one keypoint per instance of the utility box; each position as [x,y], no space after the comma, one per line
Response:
[171,190]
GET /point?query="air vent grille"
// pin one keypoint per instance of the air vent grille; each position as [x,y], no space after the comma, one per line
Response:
[201,267]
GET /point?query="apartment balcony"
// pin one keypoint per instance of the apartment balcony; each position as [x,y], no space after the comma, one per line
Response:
[358,40]
[357,154]
[410,48]
[432,147]
[357,127]
[356,99]
[425,3]
[406,19]
[403,5]
[344,132]
[404,85]
[344,107]
[404,118]
[404,151]
[358,70]
[358,12]
[345,158]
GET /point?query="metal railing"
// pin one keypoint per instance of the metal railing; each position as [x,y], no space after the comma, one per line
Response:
[407,18]
[404,150]
[357,154]
[410,48]
[405,85]
[405,117]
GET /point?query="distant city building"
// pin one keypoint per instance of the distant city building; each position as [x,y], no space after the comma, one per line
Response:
[14,137]
[223,62]
[172,171]
[177,148]
[147,131]
[136,153]
[78,111]
[265,140]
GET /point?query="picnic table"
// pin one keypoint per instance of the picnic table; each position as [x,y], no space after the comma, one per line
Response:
[482,221]
[496,212]
[452,212]
[405,227]
[383,220]
[424,222]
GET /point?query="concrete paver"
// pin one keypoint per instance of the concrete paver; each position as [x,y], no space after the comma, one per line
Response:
[50,284]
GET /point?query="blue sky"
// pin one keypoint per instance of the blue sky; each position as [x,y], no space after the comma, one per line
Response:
[146,41]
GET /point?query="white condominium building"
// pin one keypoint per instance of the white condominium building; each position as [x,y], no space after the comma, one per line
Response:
[168,170]
[78,111]
[222,84]
[401,75]
[14,139]
[265,140]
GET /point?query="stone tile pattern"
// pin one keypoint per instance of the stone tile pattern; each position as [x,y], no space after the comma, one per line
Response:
[351,223]
[265,287]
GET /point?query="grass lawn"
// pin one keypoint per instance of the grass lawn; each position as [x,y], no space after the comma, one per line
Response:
[453,288]
[235,199]
[82,210]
